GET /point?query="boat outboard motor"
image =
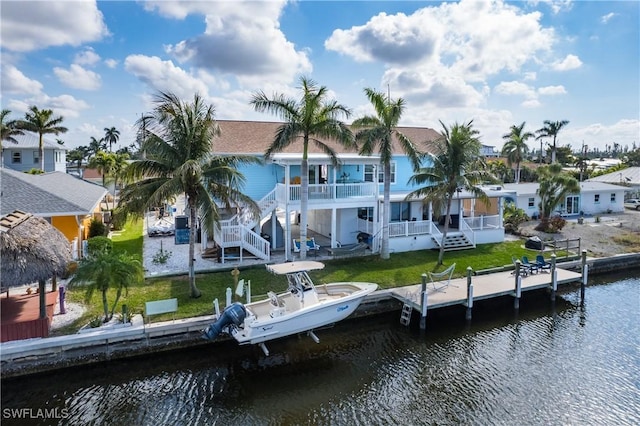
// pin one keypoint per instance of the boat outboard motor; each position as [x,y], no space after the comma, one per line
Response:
[233,314]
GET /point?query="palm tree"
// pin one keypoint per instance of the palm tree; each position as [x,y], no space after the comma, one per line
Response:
[555,185]
[307,120]
[378,131]
[9,129]
[180,136]
[111,136]
[42,122]
[516,147]
[456,164]
[105,270]
[551,129]
[96,146]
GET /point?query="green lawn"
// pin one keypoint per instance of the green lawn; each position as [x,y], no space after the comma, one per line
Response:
[400,270]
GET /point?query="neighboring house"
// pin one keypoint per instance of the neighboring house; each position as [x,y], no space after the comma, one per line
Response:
[594,198]
[65,201]
[629,178]
[345,202]
[489,151]
[25,155]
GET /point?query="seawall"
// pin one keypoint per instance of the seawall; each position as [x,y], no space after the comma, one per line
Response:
[32,356]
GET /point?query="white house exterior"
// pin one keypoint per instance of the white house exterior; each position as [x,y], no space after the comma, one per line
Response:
[345,201]
[594,198]
[25,155]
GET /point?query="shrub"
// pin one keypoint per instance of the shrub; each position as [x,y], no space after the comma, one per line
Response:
[513,218]
[98,245]
[97,228]
[551,225]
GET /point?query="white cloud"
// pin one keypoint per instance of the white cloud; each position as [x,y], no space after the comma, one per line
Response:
[49,23]
[165,76]
[606,18]
[552,90]
[111,63]
[450,35]
[570,62]
[624,131]
[515,88]
[14,81]
[87,57]
[78,78]
[65,105]
[242,39]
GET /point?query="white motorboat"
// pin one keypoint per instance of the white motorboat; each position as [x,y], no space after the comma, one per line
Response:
[302,308]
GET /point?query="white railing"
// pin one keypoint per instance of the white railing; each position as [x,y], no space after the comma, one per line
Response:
[244,238]
[467,231]
[339,191]
[408,228]
[436,234]
[480,223]
[365,225]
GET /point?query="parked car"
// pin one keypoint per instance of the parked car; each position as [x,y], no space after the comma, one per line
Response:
[633,203]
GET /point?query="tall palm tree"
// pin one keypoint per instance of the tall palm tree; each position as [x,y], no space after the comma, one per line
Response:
[555,185]
[456,164]
[104,163]
[9,129]
[111,136]
[180,160]
[551,130]
[95,146]
[378,132]
[516,147]
[42,122]
[306,120]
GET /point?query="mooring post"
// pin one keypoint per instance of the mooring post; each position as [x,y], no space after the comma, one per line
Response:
[469,293]
[585,274]
[554,277]
[228,296]
[423,303]
[516,299]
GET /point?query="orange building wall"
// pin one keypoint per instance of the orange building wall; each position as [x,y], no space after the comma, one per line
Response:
[67,225]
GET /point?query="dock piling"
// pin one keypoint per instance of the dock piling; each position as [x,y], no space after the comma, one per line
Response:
[423,303]
[469,293]
[518,289]
[554,277]
[585,275]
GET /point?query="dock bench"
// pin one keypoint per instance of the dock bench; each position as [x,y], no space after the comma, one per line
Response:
[157,307]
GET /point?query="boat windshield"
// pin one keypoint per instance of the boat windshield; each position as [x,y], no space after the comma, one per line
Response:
[299,281]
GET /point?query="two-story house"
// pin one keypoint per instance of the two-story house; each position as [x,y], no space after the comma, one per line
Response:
[25,155]
[345,201]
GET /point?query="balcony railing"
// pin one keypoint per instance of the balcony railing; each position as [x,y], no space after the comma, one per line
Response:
[327,192]
[406,229]
[480,223]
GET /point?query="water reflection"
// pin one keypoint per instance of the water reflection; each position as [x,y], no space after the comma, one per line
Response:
[562,363]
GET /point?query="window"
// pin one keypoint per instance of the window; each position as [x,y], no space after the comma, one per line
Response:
[532,202]
[16,158]
[596,198]
[613,197]
[365,213]
[400,212]
[58,156]
[368,173]
[36,157]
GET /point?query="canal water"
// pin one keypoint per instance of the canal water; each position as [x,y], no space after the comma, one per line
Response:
[562,363]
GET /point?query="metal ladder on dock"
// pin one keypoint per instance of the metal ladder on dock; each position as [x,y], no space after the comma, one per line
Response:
[405,316]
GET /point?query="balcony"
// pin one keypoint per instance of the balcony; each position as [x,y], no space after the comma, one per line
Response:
[323,193]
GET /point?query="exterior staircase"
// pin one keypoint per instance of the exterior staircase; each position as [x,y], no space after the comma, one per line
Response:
[238,231]
[454,241]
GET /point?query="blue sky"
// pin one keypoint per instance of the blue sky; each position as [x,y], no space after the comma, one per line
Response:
[497,63]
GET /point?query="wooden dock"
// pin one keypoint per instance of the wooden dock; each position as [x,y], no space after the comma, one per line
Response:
[482,287]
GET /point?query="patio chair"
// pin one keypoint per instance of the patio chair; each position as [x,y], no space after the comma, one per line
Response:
[524,271]
[441,280]
[311,245]
[542,264]
[531,267]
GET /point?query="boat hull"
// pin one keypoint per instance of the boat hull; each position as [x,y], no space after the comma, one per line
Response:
[324,312]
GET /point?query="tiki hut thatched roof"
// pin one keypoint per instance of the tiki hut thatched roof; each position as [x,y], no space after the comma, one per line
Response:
[31,249]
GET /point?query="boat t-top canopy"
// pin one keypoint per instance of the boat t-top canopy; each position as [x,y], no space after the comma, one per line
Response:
[294,267]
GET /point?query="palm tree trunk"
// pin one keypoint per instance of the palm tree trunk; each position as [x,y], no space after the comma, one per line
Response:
[517,172]
[195,293]
[553,151]
[304,205]
[43,299]
[41,152]
[386,211]
[105,305]
[446,228]
[115,302]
